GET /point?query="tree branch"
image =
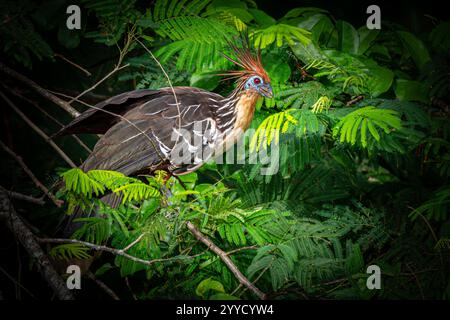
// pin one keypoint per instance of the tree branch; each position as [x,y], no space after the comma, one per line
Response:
[17,93]
[27,170]
[102,285]
[128,247]
[39,131]
[73,64]
[117,252]
[226,259]
[117,68]
[241,249]
[17,283]
[20,196]
[43,92]
[354,101]
[27,239]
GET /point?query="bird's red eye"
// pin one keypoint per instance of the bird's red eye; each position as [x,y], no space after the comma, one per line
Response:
[257,81]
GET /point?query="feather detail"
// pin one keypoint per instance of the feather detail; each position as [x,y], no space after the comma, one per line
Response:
[250,63]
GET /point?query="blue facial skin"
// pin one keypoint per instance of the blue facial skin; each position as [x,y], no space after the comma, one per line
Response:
[258,84]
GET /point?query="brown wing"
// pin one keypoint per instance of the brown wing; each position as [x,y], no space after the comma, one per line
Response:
[100,118]
[143,141]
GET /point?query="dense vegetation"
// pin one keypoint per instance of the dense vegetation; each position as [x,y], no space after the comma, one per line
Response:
[360,118]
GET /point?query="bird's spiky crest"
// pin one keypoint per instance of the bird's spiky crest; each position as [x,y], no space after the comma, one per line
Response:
[250,63]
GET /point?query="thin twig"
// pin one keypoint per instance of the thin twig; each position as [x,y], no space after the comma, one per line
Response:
[129,288]
[433,234]
[28,241]
[117,68]
[102,285]
[45,113]
[254,281]
[43,92]
[18,94]
[354,101]
[128,247]
[226,259]
[73,64]
[241,249]
[95,97]
[117,252]
[417,280]
[17,283]
[27,170]
[38,131]
[168,81]
[23,197]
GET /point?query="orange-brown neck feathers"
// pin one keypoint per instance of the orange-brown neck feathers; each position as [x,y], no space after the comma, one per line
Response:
[245,107]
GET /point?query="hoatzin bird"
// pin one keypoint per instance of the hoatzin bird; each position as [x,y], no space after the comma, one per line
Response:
[142,128]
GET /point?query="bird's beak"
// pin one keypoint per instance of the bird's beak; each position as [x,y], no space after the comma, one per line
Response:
[266,90]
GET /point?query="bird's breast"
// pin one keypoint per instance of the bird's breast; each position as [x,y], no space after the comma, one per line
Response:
[244,110]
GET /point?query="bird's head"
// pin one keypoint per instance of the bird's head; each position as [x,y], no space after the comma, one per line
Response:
[258,84]
[252,77]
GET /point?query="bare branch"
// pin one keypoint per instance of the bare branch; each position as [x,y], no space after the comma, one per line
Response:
[73,64]
[241,249]
[27,239]
[39,131]
[102,285]
[117,68]
[43,92]
[27,170]
[226,259]
[168,80]
[354,101]
[23,197]
[117,252]
[128,247]
[45,113]
[17,283]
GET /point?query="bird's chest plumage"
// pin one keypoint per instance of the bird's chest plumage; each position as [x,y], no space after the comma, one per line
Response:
[214,135]
[243,111]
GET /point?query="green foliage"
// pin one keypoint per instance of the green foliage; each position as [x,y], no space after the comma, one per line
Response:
[114,17]
[304,95]
[208,286]
[270,129]
[197,40]
[280,34]
[70,251]
[415,48]
[20,40]
[364,120]
[313,253]
[436,208]
[97,181]
[358,124]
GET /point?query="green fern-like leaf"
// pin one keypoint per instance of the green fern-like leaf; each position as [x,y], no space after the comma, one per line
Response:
[303,95]
[363,120]
[269,130]
[280,34]
[436,208]
[94,229]
[114,17]
[70,251]
[322,104]
[136,191]
[79,182]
